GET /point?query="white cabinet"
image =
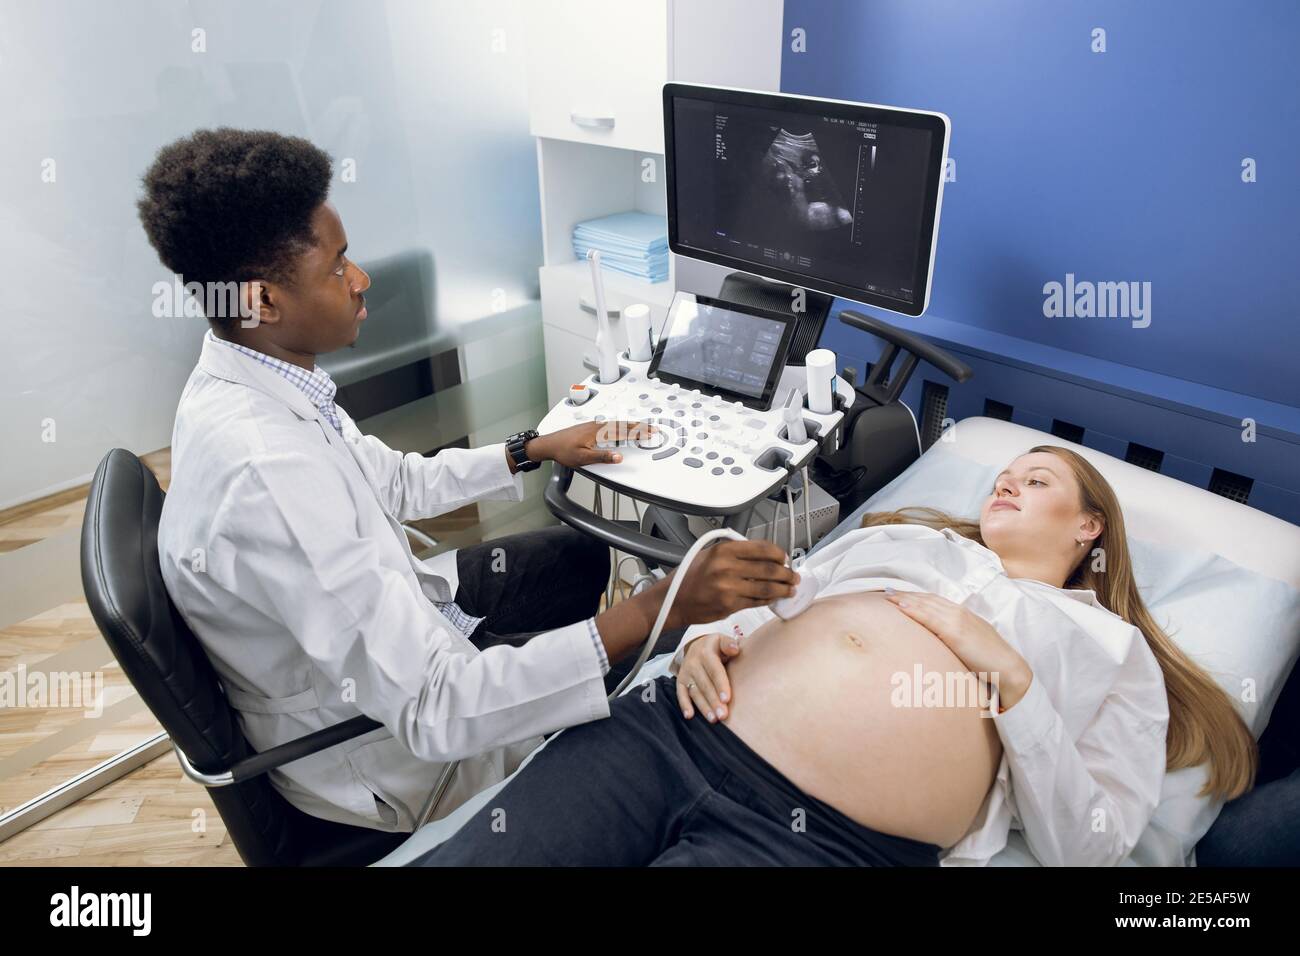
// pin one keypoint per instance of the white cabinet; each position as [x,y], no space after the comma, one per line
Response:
[596,68]
[590,65]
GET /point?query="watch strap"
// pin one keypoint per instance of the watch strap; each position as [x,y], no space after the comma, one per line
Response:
[515,445]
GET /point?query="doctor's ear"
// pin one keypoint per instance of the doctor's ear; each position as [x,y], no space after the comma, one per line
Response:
[258,303]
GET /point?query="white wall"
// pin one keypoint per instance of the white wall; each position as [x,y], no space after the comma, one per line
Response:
[414,90]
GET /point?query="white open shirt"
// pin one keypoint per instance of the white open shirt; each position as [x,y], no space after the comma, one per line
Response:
[1084,750]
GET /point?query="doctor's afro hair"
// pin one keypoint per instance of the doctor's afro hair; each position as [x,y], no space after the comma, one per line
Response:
[233,205]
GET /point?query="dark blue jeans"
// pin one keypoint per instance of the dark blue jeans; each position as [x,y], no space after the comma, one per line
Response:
[649,787]
[1261,828]
[527,583]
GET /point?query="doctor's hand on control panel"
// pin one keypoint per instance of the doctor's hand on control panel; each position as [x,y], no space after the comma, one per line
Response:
[589,443]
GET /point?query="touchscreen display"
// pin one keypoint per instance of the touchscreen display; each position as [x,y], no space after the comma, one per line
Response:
[731,351]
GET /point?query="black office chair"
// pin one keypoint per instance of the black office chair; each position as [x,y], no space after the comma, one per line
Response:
[171,672]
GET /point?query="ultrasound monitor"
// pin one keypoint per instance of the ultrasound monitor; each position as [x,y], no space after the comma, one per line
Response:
[838,197]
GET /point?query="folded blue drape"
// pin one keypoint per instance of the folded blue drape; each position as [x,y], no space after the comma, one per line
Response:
[633,243]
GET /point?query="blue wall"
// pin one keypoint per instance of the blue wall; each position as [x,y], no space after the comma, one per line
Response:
[1115,166]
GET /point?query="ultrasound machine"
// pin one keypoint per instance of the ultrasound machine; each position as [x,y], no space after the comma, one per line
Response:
[776,204]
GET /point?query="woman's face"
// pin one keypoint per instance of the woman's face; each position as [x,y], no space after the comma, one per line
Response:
[1035,508]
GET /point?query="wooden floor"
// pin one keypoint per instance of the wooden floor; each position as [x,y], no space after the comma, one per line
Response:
[153,816]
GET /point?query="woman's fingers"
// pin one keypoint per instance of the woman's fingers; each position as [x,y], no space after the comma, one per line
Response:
[684,699]
[730,646]
[701,697]
[909,603]
[702,681]
[928,610]
[704,685]
[705,696]
[904,599]
[721,685]
[922,599]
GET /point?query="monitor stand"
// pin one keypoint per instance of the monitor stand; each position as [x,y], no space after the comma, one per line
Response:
[745,289]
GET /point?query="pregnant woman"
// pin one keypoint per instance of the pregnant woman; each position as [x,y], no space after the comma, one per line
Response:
[952,678]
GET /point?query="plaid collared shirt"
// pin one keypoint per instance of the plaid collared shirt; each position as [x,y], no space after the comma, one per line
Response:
[316,384]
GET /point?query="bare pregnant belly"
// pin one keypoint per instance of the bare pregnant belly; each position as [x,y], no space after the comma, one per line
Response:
[816,698]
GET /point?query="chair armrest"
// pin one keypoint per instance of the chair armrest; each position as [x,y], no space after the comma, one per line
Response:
[884,387]
[278,756]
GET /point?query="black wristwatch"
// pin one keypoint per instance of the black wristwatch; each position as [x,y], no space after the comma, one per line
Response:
[515,447]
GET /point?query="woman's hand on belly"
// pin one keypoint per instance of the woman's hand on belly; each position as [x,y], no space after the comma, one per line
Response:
[702,679]
[974,640]
[816,697]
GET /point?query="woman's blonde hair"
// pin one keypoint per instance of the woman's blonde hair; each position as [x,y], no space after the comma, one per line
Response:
[1203,723]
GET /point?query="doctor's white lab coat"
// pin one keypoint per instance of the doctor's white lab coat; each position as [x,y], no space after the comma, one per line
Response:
[281,546]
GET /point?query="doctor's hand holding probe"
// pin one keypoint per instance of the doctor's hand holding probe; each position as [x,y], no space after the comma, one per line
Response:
[731,576]
[709,585]
[702,678]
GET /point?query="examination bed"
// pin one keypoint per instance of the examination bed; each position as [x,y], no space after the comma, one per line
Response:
[1222,578]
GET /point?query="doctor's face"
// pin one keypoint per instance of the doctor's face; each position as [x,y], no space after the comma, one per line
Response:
[323,309]
[1036,507]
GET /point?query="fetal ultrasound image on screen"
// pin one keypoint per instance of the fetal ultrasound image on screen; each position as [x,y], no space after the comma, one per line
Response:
[819,196]
[714,346]
[790,186]
[798,188]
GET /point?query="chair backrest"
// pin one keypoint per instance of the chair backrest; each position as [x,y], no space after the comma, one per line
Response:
[163,659]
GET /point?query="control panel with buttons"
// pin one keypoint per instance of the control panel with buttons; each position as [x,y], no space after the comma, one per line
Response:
[708,455]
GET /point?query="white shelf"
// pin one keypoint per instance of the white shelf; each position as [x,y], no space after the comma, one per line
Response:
[580,182]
